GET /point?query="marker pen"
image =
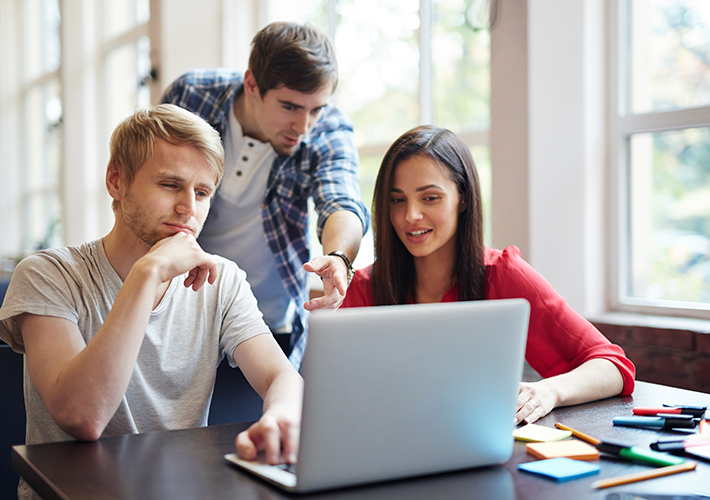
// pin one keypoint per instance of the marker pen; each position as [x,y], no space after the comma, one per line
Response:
[661,420]
[695,411]
[639,454]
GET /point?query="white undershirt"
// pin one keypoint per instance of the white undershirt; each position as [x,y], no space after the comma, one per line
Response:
[234,227]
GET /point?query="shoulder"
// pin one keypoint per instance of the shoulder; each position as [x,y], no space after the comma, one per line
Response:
[508,275]
[207,79]
[205,92]
[332,130]
[63,259]
[360,291]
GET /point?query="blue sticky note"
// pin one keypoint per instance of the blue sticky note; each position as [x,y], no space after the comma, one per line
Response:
[561,469]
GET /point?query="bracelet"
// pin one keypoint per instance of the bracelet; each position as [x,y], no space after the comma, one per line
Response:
[351,271]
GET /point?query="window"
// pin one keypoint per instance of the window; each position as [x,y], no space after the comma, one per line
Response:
[661,142]
[61,103]
[41,118]
[403,63]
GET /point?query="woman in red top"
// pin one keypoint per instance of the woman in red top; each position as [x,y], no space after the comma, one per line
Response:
[428,226]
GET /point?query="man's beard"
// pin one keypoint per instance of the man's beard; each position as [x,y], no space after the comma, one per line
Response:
[138,220]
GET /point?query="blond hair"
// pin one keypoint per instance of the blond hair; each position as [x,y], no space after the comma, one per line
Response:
[133,140]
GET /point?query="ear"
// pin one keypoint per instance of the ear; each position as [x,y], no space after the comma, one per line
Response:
[114,180]
[251,88]
[462,206]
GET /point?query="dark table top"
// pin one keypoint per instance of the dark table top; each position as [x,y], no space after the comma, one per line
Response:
[189,464]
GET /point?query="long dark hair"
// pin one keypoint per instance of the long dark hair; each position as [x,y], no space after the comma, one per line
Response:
[393,273]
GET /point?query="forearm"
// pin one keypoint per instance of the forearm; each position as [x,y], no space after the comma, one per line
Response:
[595,379]
[84,391]
[342,231]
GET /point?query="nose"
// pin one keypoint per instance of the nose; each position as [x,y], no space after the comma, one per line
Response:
[413,213]
[185,204]
[302,123]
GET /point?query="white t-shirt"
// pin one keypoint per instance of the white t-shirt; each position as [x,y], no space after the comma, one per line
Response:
[234,227]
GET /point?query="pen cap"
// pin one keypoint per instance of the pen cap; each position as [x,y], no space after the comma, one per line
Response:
[668,446]
[613,448]
[673,422]
[696,411]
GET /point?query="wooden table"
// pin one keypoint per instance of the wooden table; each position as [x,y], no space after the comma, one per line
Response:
[189,464]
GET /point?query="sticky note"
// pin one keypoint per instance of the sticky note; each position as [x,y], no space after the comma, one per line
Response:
[699,451]
[561,469]
[570,448]
[539,433]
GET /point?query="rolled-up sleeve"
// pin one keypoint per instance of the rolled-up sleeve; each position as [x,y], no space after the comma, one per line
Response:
[559,338]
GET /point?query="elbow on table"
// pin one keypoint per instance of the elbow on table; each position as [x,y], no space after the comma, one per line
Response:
[82,428]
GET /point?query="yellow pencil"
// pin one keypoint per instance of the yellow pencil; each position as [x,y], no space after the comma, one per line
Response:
[580,435]
[642,476]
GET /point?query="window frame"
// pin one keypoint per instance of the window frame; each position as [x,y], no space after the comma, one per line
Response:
[623,124]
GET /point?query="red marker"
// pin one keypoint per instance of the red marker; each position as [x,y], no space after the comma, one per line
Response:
[696,411]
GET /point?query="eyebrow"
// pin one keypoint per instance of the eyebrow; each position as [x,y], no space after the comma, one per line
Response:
[419,189]
[177,178]
[298,106]
[292,104]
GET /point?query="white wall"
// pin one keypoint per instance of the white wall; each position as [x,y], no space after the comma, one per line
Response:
[547,142]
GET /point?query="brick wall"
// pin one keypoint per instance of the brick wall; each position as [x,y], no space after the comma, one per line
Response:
[679,358]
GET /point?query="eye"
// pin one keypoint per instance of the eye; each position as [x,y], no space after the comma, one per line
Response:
[431,197]
[317,111]
[168,185]
[396,200]
[288,107]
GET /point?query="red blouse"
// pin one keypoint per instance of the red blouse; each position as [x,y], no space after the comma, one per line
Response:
[559,339]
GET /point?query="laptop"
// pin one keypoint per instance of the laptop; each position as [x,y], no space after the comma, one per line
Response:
[407,390]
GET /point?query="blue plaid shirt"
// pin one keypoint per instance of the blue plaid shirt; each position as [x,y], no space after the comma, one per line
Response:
[325,166]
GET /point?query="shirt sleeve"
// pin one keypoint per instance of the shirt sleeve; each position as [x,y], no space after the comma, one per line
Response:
[334,160]
[559,339]
[37,287]
[241,317]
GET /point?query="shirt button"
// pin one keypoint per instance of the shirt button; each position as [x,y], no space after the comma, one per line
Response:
[239,173]
[245,158]
[251,144]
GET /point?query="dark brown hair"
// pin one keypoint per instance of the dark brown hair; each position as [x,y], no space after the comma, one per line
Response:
[393,273]
[298,56]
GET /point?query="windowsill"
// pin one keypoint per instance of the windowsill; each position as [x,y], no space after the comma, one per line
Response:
[648,321]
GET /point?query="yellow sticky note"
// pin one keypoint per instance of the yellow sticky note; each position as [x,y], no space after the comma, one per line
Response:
[535,433]
[570,448]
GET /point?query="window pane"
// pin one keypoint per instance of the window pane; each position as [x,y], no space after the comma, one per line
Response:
[121,16]
[482,158]
[40,37]
[670,215]
[42,153]
[670,44]
[461,60]
[126,89]
[378,57]
[299,11]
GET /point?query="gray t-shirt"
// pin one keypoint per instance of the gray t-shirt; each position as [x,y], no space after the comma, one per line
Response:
[187,335]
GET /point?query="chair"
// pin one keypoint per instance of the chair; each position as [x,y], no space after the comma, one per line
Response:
[12,416]
[233,400]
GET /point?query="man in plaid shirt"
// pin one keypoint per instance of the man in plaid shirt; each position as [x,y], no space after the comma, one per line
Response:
[283,144]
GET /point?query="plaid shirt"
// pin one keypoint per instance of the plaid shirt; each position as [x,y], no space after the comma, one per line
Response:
[325,166]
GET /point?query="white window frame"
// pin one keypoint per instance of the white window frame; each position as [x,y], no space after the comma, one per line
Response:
[622,125]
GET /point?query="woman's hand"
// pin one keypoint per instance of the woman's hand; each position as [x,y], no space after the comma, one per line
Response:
[535,400]
[594,379]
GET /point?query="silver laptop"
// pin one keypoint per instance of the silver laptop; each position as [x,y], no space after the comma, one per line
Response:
[400,391]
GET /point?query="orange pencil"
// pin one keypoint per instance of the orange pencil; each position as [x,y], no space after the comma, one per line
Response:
[642,476]
[580,435]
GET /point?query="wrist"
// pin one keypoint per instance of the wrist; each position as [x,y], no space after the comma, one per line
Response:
[350,272]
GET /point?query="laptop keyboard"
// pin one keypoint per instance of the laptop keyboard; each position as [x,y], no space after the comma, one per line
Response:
[290,468]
